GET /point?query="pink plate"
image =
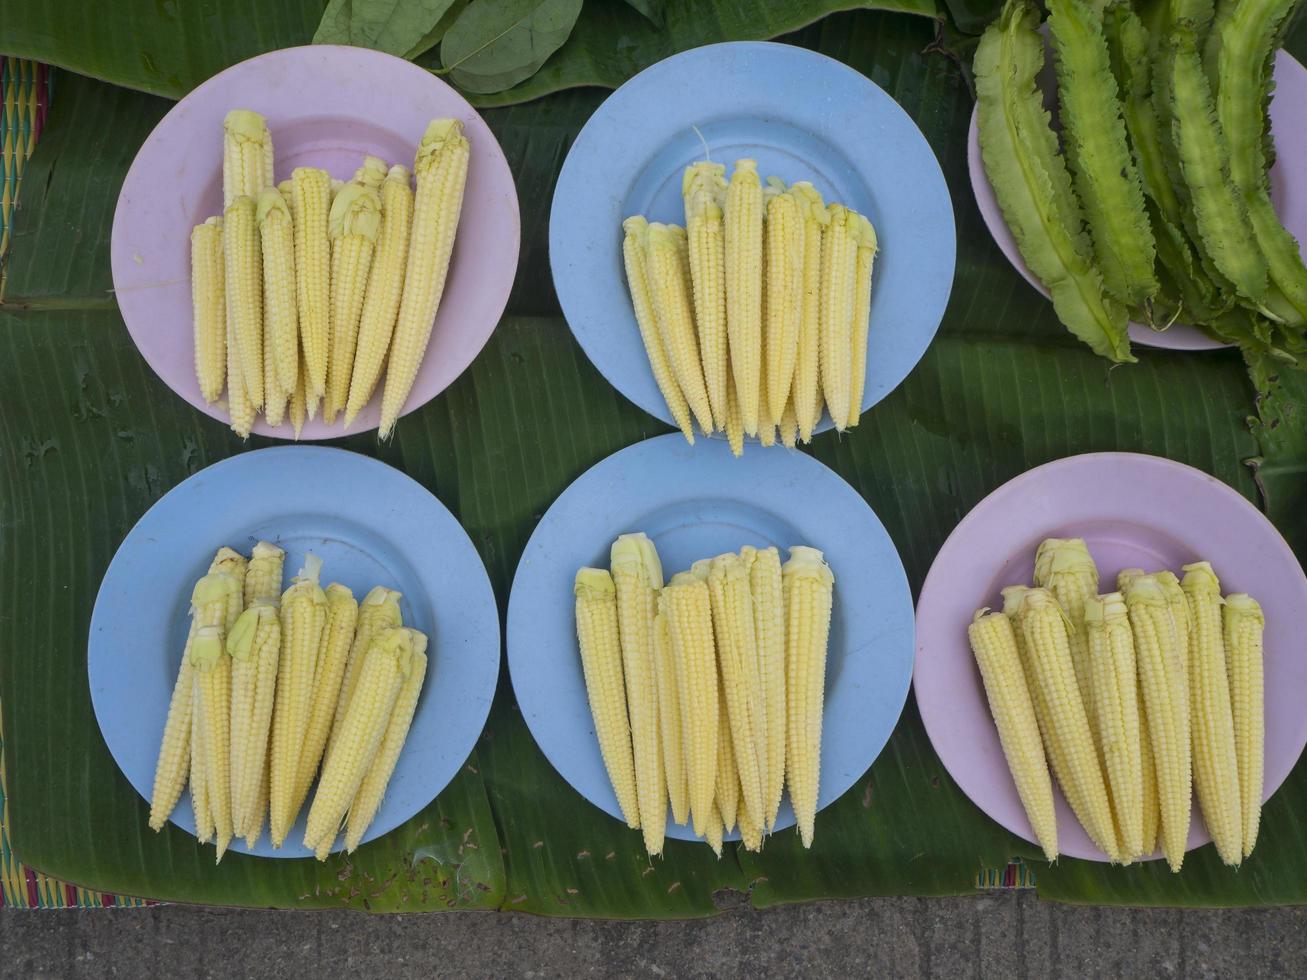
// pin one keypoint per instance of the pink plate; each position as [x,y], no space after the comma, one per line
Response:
[1133,511]
[327,106]
[1288,191]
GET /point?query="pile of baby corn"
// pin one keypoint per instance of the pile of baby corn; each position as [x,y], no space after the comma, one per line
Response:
[304,290]
[273,686]
[707,692]
[756,312]
[1131,699]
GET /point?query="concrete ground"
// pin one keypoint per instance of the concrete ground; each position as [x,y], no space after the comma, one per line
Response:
[1000,935]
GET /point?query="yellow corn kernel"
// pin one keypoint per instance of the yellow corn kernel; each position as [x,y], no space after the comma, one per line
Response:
[1076,765]
[806,385]
[789,425]
[1215,760]
[744,287]
[303,618]
[994,644]
[808,587]
[766,590]
[670,725]
[354,223]
[373,788]
[637,576]
[280,320]
[1065,567]
[703,189]
[1162,684]
[333,653]
[734,420]
[601,663]
[385,287]
[1243,624]
[209,308]
[783,287]
[1113,687]
[736,640]
[379,610]
[1152,813]
[713,831]
[728,778]
[254,648]
[865,238]
[213,719]
[441,171]
[1180,615]
[243,281]
[209,602]
[198,777]
[388,662]
[299,399]
[310,207]
[838,270]
[258,814]
[686,604]
[635,260]
[667,273]
[247,155]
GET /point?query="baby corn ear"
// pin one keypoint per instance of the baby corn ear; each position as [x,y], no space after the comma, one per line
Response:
[371,173]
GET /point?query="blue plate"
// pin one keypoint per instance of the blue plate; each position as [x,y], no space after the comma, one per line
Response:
[371,525]
[802,116]
[696,502]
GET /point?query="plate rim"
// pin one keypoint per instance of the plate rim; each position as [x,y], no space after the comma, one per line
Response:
[655,444]
[1015,486]
[981,188]
[502,284]
[558,210]
[378,828]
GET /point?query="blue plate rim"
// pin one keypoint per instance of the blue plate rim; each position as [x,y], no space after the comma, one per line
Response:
[523,636]
[577,310]
[383,823]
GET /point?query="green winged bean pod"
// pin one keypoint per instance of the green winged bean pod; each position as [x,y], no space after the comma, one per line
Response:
[1094,136]
[1031,182]
[1247,46]
[1219,212]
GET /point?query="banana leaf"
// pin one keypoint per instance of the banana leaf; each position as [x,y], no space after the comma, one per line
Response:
[89,439]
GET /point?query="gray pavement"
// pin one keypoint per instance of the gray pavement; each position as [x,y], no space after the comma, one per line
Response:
[991,935]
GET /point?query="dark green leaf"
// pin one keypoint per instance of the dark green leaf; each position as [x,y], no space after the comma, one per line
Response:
[611,41]
[494,44]
[433,36]
[652,9]
[397,27]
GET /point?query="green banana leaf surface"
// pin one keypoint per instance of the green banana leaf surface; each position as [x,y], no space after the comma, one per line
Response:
[90,438]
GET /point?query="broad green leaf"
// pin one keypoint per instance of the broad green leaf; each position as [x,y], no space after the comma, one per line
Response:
[89,438]
[611,41]
[433,36]
[394,26]
[493,45]
[652,9]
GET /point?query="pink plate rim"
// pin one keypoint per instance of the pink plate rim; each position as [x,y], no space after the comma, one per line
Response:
[1289,185]
[338,100]
[1055,499]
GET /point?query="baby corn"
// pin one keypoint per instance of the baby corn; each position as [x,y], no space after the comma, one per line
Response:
[209,308]
[766,589]
[686,604]
[281,321]
[332,654]
[353,226]
[808,587]
[994,644]
[601,663]
[1215,761]
[783,288]
[309,206]
[379,610]
[703,189]
[743,235]
[385,287]
[807,365]
[865,238]
[637,577]
[254,647]
[243,279]
[667,272]
[247,155]
[838,270]
[670,724]
[441,172]
[1243,625]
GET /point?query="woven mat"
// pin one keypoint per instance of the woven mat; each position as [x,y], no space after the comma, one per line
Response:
[25,92]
